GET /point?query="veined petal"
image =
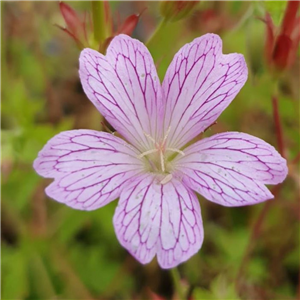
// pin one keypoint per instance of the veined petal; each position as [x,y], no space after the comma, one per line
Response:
[125,88]
[199,84]
[232,168]
[90,168]
[163,219]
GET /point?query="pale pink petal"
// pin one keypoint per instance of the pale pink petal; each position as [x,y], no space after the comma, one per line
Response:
[90,168]
[199,84]
[162,219]
[125,88]
[232,168]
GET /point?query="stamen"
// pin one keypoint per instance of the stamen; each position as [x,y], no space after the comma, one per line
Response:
[162,163]
[176,150]
[167,179]
[166,136]
[160,148]
[149,137]
[147,152]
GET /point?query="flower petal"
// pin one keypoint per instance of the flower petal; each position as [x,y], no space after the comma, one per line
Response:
[163,219]
[199,84]
[232,168]
[124,87]
[90,168]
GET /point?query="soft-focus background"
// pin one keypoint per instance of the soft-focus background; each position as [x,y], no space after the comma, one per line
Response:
[50,251]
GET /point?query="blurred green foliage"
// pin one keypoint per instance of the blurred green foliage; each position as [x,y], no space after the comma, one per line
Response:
[276,9]
[50,251]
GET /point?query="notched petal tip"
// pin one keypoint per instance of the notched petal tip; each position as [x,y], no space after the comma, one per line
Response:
[209,36]
[43,165]
[36,167]
[126,37]
[87,53]
[90,168]
[124,87]
[232,168]
[199,84]
[284,171]
[154,219]
[129,47]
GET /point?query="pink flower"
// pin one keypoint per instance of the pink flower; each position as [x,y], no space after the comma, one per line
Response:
[151,170]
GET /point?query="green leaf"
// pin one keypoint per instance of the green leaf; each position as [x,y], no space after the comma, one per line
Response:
[223,288]
[257,269]
[19,187]
[17,105]
[200,293]
[14,275]
[40,282]
[94,267]
[232,243]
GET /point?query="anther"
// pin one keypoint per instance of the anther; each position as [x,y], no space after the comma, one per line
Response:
[147,152]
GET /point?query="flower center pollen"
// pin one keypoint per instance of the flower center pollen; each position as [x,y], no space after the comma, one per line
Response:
[157,156]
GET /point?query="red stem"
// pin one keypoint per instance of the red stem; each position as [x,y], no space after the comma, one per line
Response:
[256,229]
[290,15]
[255,233]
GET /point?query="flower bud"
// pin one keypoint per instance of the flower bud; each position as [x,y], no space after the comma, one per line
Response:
[176,10]
[126,27]
[73,22]
[75,27]
[129,25]
[281,49]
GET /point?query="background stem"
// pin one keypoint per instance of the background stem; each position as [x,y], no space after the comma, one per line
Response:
[278,126]
[157,31]
[176,279]
[256,228]
[98,12]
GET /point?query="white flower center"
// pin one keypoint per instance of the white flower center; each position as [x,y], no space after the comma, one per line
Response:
[158,158]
